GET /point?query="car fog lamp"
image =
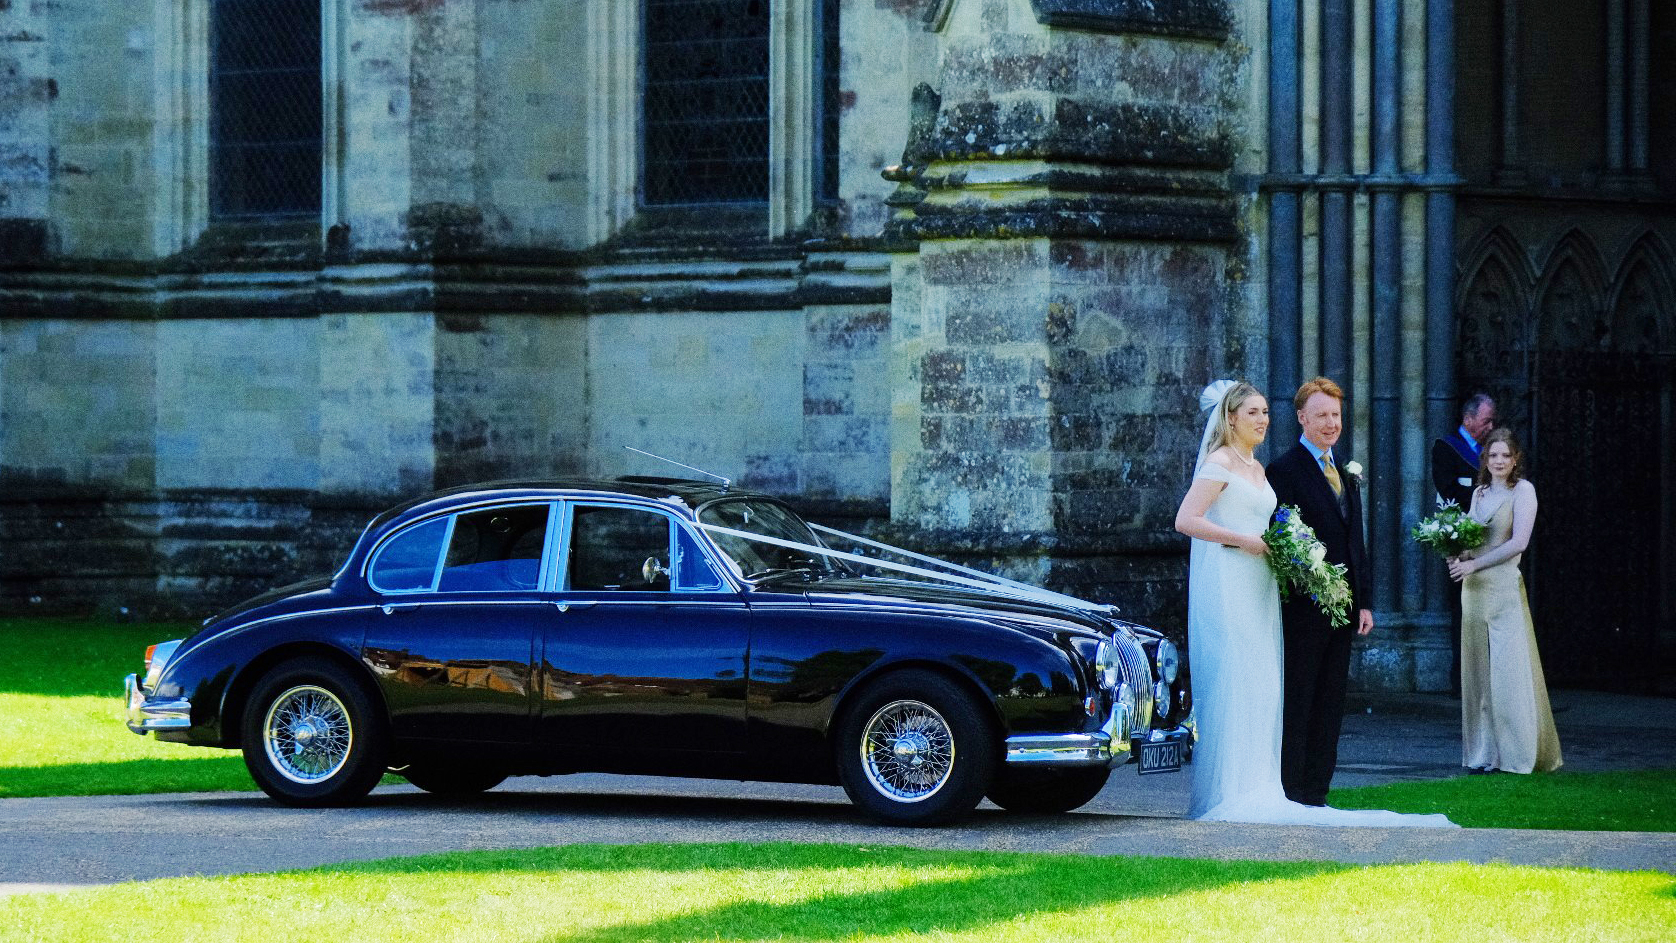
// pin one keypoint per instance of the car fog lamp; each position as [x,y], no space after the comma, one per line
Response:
[1169,661]
[1107,663]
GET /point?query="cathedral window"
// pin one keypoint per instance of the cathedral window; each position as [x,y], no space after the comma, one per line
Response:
[705,123]
[265,110]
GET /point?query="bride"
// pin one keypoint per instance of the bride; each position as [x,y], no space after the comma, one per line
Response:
[1233,628]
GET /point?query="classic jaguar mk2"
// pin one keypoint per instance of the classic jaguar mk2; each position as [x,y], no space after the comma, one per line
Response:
[669,627]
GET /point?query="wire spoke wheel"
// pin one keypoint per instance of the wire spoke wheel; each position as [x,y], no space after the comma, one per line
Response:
[308,735]
[908,750]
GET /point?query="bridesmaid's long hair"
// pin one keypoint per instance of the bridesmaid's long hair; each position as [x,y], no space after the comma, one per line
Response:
[1513,474]
[1231,400]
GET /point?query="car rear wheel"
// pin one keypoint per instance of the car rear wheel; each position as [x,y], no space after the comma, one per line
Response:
[1047,790]
[313,735]
[444,780]
[914,748]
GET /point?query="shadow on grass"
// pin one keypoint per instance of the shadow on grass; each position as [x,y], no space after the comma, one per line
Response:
[989,888]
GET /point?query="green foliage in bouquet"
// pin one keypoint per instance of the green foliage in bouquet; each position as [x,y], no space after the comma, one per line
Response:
[1299,561]
[1450,532]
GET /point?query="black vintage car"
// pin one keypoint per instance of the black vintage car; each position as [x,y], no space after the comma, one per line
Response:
[669,627]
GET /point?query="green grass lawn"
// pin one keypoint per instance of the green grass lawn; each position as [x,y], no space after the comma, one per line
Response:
[1620,801]
[61,716]
[618,894]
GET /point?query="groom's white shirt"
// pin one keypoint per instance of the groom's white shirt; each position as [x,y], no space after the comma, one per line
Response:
[1314,450]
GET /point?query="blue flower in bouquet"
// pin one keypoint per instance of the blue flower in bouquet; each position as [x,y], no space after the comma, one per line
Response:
[1298,559]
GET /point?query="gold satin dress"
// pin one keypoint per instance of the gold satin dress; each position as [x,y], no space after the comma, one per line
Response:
[1506,722]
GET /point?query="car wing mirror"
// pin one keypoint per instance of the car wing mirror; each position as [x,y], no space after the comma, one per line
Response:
[652,569]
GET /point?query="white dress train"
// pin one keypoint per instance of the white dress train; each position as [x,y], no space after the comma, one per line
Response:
[1234,643]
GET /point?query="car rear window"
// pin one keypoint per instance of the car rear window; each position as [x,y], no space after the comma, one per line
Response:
[407,563]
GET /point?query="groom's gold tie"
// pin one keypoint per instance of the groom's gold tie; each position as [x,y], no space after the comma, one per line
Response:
[1331,471]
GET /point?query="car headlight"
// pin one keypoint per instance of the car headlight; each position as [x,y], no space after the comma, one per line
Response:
[1108,664]
[156,659]
[1169,661]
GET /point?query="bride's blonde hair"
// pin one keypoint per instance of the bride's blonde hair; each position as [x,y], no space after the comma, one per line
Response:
[1223,431]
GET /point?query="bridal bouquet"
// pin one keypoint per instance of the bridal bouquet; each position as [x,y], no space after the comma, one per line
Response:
[1450,532]
[1299,561]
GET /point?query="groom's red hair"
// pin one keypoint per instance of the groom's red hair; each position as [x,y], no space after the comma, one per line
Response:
[1317,385]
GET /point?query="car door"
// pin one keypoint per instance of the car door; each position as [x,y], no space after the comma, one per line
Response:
[462,612]
[643,657]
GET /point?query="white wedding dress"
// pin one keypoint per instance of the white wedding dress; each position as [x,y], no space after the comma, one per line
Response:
[1234,643]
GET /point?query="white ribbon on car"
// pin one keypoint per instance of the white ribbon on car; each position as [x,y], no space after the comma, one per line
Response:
[977,578]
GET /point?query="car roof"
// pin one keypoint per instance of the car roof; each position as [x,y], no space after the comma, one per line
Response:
[690,492]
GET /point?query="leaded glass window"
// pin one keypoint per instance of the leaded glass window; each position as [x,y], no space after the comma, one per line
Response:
[265,109]
[705,101]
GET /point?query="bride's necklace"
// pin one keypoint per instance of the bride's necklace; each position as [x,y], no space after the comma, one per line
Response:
[1247,461]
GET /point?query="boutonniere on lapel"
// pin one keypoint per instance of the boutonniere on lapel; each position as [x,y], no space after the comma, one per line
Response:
[1353,469]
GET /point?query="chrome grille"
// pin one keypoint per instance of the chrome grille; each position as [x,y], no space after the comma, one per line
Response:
[1137,670]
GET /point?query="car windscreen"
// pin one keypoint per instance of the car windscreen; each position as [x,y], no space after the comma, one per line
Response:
[757,558]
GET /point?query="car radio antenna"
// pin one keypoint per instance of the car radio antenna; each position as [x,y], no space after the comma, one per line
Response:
[726,483]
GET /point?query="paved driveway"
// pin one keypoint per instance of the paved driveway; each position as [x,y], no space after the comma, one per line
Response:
[46,843]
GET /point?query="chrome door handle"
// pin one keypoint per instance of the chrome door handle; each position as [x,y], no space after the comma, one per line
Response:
[393,608]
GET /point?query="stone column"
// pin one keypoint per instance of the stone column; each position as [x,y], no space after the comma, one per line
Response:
[1060,297]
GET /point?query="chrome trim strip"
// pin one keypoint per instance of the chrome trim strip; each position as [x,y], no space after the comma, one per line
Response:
[264,621]
[146,714]
[1061,749]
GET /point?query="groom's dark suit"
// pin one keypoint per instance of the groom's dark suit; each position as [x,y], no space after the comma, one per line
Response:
[1317,656]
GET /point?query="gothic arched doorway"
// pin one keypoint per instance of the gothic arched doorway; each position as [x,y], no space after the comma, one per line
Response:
[1583,368]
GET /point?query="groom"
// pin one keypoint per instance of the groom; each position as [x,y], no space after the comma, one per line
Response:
[1317,656]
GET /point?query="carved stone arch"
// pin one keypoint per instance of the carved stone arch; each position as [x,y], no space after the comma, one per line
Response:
[1643,300]
[1493,324]
[1571,297]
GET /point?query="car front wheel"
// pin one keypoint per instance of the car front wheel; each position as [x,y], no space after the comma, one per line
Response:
[313,735]
[915,749]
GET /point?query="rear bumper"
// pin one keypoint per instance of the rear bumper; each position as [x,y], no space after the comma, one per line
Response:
[148,714]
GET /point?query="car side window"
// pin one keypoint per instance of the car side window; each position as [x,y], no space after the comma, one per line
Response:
[407,563]
[692,568]
[497,549]
[610,548]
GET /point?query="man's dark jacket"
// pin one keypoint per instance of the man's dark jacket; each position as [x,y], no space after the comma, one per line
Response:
[1452,460]
[1317,655]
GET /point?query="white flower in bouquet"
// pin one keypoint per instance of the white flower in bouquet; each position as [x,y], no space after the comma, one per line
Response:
[1450,532]
[1299,561]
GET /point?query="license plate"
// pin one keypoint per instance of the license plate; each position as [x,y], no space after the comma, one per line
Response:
[1163,756]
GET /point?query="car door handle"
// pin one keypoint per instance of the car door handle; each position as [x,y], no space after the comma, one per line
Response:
[393,608]
[567,605]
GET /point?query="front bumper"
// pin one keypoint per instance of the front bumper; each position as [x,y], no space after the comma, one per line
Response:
[1088,749]
[148,714]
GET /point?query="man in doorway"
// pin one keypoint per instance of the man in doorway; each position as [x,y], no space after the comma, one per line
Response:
[1317,656]
[1454,467]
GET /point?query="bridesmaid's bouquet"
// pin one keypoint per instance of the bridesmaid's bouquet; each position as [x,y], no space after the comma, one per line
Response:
[1450,532]
[1299,561]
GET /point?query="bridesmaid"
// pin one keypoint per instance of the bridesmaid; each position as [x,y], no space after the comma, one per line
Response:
[1506,723]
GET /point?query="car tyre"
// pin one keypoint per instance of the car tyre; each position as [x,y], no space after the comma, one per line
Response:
[914,748]
[1047,791]
[314,735]
[444,780]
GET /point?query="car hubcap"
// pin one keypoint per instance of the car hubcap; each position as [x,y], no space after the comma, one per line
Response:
[307,734]
[907,751]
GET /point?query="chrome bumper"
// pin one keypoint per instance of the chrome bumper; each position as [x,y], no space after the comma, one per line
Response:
[1086,749]
[148,714]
